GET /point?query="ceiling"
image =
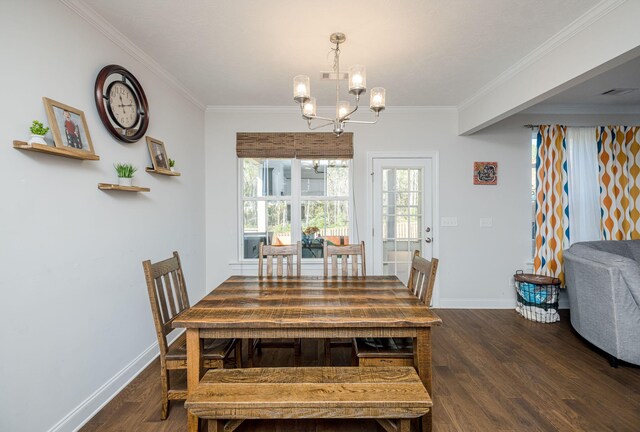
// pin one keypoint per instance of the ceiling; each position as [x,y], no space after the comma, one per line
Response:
[588,96]
[425,53]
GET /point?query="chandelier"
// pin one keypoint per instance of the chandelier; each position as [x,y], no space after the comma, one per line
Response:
[357,86]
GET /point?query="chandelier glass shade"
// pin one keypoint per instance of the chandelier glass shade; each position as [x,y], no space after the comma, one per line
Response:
[357,80]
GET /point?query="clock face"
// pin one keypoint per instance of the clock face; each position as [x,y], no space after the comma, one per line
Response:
[123,105]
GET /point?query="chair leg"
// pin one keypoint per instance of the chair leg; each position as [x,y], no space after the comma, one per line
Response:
[250,353]
[238,351]
[215,425]
[354,357]
[164,380]
[298,347]
[327,352]
[404,425]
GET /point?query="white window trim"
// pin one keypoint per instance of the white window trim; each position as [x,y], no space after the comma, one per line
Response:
[296,199]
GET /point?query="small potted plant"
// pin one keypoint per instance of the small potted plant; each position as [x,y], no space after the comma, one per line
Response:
[38,131]
[172,163]
[125,173]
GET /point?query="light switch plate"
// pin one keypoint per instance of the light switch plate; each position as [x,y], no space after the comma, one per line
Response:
[449,221]
[486,222]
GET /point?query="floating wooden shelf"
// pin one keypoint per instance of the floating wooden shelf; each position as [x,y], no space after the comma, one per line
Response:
[22,145]
[162,171]
[109,186]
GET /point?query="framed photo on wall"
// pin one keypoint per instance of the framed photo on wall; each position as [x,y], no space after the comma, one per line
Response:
[485,173]
[68,126]
[158,154]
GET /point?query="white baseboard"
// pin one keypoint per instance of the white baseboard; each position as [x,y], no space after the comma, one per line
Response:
[96,401]
[499,303]
[451,303]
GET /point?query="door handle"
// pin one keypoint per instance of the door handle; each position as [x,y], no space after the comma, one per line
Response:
[428,239]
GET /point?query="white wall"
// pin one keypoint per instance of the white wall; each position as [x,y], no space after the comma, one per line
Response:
[476,264]
[76,322]
[489,256]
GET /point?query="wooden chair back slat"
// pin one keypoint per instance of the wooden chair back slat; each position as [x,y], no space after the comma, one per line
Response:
[284,256]
[422,277]
[162,299]
[334,255]
[169,288]
[167,294]
[174,282]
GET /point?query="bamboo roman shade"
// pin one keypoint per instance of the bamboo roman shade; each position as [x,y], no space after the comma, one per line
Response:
[324,145]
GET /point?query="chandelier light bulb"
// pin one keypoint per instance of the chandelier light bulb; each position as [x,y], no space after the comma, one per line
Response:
[309,108]
[357,79]
[377,100]
[301,88]
[343,108]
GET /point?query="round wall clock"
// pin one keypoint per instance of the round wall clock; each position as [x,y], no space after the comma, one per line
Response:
[121,103]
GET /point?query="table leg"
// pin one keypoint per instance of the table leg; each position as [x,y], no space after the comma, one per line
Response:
[194,370]
[422,361]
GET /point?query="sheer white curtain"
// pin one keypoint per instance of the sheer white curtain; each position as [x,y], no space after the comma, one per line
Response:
[584,189]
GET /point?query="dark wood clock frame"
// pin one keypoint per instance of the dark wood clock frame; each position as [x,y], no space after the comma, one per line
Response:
[104,111]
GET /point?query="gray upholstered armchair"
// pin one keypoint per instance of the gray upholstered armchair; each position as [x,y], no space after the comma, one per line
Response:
[603,284]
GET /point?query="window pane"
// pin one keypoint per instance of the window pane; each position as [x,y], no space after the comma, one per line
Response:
[338,179]
[265,221]
[266,177]
[328,220]
[324,178]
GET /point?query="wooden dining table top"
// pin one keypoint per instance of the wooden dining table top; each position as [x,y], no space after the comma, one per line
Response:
[308,301]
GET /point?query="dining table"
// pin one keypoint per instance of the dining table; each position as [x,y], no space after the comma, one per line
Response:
[247,307]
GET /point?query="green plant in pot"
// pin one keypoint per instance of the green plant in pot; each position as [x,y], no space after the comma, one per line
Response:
[125,173]
[38,131]
[172,163]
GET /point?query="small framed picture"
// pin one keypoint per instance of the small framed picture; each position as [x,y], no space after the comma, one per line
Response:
[158,154]
[68,126]
[485,173]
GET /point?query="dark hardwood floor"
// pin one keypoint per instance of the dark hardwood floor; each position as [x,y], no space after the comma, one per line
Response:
[493,371]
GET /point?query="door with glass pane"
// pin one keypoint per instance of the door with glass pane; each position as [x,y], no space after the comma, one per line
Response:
[402,214]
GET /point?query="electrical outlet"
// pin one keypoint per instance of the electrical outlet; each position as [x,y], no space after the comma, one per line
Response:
[449,221]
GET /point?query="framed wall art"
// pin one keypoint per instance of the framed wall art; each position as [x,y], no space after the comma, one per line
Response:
[68,127]
[158,154]
[485,173]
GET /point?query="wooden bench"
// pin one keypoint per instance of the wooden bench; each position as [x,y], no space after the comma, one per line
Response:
[391,395]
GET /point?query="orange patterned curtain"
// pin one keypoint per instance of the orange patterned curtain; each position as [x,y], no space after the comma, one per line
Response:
[552,202]
[619,171]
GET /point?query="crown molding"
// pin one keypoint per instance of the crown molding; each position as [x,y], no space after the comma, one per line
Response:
[113,34]
[296,109]
[252,108]
[579,24]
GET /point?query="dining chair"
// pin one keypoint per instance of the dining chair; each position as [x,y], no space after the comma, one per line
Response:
[337,258]
[168,296]
[399,351]
[279,256]
[342,261]
[281,259]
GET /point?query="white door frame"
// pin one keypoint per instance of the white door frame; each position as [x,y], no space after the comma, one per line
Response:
[435,168]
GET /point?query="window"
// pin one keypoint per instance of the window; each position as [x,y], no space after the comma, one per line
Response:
[286,200]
